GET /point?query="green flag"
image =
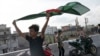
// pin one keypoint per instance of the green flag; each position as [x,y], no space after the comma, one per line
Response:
[33,16]
[72,8]
[42,14]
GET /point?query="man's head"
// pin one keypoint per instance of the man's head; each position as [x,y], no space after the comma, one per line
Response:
[59,31]
[99,25]
[33,29]
[55,32]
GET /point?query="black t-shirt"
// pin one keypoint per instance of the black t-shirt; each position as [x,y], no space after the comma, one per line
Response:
[36,48]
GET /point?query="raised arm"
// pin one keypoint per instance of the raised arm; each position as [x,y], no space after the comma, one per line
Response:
[17,29]
[45,25]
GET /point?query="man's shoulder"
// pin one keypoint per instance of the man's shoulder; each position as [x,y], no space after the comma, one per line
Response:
[27,36]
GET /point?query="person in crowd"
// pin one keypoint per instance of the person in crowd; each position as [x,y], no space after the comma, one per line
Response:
[83,40]
[58,39]
[99,28]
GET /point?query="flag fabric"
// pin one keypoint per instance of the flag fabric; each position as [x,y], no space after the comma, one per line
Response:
[75,8]
[33,16]
[42,14]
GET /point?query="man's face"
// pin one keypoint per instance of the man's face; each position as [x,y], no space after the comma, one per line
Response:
[32,32]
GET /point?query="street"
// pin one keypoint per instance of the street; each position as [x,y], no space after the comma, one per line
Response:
[54,48]
[96,42]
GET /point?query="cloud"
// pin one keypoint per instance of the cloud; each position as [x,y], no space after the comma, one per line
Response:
[62,20]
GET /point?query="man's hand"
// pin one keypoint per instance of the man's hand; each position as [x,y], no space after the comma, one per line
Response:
[17,29]
[14,22]
[45,25]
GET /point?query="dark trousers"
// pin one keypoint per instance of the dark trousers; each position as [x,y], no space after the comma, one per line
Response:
[61,51]
[99,31]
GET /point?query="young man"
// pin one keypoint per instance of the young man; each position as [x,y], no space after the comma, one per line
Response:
[58,39]
[83,38]
[35,42]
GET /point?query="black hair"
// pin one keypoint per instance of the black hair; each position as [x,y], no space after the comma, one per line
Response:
[59,31]
[35,27]
[98,24]
[55,32]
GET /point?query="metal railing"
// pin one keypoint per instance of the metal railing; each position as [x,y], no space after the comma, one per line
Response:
[17,53]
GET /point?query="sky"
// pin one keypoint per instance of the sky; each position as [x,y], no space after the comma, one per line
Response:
[14,9]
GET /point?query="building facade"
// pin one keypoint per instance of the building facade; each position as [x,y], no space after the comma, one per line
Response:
[8,42]
[50,29]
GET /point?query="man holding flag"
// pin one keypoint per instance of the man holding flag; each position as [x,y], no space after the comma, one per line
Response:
[35,42]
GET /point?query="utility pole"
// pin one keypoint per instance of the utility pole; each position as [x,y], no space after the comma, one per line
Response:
[86,21]
[77,23]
